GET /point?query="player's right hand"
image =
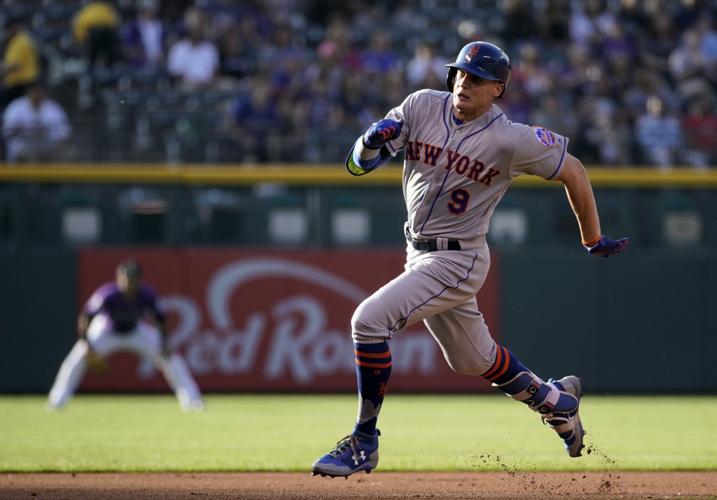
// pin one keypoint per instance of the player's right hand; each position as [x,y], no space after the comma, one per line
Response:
[605,247]
[381,132]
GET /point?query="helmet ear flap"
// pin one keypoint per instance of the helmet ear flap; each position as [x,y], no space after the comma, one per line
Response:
[451,78]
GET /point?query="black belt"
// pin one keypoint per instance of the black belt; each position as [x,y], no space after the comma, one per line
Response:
[432,245]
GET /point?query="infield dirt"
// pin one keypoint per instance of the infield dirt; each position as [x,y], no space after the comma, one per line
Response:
[378,485]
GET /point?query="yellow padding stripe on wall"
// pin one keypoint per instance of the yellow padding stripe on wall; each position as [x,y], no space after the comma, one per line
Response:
[308,175]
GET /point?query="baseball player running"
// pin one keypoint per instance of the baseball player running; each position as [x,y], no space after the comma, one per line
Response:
[115,318]
[461,154]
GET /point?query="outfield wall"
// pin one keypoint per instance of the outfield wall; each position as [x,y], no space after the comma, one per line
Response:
[640,322]
[253,321]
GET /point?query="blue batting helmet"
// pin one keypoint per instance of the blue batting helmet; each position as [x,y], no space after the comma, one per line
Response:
[483,60]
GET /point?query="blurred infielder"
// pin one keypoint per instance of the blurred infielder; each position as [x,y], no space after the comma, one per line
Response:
[115,318]
[461,154]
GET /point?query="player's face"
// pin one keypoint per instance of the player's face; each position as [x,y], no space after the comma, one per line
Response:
[127,284]
[472,95]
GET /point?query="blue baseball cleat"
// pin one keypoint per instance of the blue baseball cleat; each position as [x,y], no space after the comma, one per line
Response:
[564,418]
[352,454]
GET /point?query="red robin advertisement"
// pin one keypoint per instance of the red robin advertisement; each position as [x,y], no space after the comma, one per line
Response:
[271,320]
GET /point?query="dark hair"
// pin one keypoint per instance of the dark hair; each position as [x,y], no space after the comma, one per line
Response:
[38,82]
[14,20]
[130,267]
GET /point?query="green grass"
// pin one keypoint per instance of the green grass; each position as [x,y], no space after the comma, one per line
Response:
[286,433]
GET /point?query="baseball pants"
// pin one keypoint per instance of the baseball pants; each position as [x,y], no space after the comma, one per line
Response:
[145,340]
[438,288]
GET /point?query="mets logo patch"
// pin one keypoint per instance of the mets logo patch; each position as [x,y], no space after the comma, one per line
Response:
[472,53]
[544,136]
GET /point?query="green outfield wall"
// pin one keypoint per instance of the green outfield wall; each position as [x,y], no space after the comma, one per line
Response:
[644,321]
[37,318]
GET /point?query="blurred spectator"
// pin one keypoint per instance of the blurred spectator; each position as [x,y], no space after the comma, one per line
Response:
[554,22]
[689,67]
[688,11]
[589,21]
[194,60]
[659,135]
[551,114]
[36,128]
[532,71]
[243,49]
[353,102]
[572,78]
[658,41]
[581,26]
[585,141]
[255,123]
[235,61]
[704,27]
[21,62]
[322,61]
[700,129]
[644,84]
[616,43]
[144,37]
[380,57]
[632,15]
[425,70]
[517,103]
[613,139]
[284,59]
[602,130]
[225,15]
[294,133]
[518,21]
[95,27]
[336,48]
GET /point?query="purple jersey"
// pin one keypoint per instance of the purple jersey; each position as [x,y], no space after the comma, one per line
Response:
[123,311]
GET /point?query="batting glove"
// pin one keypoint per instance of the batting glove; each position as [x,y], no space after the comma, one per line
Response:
[381,132]
[605,247]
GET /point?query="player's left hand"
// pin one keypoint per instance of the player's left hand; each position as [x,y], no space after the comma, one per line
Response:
[381,132]
[605,247]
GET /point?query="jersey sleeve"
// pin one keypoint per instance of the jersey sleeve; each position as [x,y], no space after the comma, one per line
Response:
[96,302]
[400,113]
[152,303]
[403,114]
[538,151]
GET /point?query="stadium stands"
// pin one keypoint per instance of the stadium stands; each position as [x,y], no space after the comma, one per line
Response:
[586,69]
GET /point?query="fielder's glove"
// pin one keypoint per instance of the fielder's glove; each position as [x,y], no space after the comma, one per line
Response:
[96,363]
[381,132]
[605,247]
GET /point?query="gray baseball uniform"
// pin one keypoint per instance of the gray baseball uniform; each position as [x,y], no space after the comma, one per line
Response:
[454,175]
